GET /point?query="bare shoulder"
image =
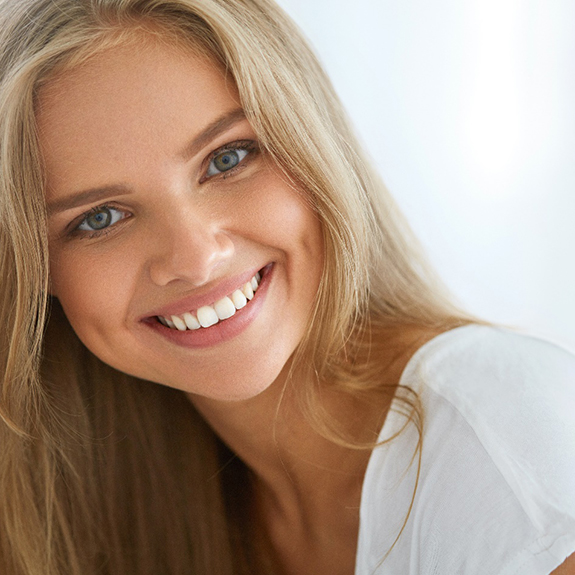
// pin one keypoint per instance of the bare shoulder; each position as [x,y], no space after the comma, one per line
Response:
[566,568]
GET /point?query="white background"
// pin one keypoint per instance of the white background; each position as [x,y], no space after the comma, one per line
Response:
[467,109]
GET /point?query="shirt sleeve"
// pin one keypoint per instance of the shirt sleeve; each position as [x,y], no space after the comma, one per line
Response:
[517,396]
[496,486]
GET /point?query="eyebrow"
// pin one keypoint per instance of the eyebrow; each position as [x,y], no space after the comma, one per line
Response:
[85,197]
[91,195]
[213,130]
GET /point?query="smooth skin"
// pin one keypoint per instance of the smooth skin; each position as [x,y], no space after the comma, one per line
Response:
[567,568]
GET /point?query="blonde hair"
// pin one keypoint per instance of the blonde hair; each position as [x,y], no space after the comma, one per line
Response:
[101,473]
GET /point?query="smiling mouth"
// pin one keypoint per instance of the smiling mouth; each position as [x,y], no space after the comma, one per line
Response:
[209,315]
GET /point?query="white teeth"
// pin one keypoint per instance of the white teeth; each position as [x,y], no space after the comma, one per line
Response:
[207,316]
[239,299]
[179,323]
[248,290]
[225,308]
[191,321]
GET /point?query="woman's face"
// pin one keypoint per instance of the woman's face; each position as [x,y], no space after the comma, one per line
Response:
[161,204]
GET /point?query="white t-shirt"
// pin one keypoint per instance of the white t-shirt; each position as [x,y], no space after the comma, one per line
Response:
[496,493]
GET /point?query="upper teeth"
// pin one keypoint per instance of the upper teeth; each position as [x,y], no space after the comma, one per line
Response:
[209,315]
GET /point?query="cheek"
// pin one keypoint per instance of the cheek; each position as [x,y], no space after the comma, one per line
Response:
[300,231]
[296,230]
[90,291]
[284,217]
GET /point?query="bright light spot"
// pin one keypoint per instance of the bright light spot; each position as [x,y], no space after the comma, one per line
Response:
[493,126]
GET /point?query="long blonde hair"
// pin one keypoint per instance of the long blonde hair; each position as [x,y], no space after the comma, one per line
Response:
[104,474]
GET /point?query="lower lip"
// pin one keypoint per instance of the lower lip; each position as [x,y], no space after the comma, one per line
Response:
[224,330]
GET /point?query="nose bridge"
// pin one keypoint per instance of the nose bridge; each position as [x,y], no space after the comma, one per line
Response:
[187,245]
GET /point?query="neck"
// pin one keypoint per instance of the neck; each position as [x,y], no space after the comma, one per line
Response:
[297,468]
[291,460]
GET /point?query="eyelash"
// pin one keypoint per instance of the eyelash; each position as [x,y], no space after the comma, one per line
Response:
[249,146]
[89,234]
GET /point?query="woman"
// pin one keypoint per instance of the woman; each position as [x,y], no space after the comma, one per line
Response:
[184,204]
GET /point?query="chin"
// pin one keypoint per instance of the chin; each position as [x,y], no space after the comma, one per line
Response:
[237,388]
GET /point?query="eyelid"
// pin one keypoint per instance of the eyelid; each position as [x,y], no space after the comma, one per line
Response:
[251,146]
[73,228]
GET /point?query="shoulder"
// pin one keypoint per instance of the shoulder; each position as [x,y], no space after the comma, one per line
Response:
[496,485]
[516,393]
[490,354]
[502,382]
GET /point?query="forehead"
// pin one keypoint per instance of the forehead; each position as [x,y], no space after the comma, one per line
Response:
[133,72]
[128,99]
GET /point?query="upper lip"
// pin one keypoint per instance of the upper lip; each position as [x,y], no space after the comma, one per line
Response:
[193,302]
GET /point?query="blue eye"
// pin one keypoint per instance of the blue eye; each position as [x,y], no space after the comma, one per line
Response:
[225,161]
[100,218]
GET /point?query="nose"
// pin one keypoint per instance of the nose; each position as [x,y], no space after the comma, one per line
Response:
[187,247]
